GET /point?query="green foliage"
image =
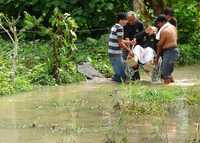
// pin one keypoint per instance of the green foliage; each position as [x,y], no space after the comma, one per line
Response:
[7,87]
[40,75]
[22,83]
[88,13]
[69,73]
[62,33]
[188,17]
[195,42]
[189,54]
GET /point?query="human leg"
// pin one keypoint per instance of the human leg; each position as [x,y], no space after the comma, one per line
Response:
[169,59]
[118,67]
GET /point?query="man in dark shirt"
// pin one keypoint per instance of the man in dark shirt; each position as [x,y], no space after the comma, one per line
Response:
[133,27]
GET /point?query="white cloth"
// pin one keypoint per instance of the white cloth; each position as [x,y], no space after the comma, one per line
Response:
[163,27]
[144,55]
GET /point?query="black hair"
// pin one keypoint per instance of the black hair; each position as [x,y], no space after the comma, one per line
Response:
[169,11]
[161,18]
[121,16]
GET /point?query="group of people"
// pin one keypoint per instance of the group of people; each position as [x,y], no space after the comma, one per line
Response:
[132,45]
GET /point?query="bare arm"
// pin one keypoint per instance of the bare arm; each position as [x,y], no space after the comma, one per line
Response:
[124,44]
[161,43]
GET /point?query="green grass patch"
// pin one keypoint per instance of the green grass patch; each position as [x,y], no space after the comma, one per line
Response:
[141,99]
[193,95]
[155,99]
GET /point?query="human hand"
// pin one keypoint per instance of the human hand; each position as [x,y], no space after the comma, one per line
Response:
[156,61]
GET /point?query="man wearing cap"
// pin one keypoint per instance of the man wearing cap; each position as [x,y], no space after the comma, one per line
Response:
[133,27]
[166,48]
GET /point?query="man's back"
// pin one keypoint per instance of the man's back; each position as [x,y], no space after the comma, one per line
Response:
[168,37]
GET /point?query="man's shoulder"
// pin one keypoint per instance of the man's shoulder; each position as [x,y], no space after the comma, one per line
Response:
[116,27]
[138,22]
[168,30]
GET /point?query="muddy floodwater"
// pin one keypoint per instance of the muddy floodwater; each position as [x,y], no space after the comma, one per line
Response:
[83,113]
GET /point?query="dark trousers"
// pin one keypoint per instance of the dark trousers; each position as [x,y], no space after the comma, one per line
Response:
[169,58]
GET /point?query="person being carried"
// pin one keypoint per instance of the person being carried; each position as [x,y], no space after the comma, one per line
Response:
[166,48]
[144,50]
[116,44]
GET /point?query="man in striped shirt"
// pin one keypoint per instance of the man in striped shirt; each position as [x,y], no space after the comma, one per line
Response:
[116,44]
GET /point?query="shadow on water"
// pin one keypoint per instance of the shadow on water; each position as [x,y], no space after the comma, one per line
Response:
[83,113]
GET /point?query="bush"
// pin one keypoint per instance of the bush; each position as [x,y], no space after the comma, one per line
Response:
[188,17]
[40,75]
[87,13]
[190,53]
[7,87]
[186,55]
[69,73]
[22,84]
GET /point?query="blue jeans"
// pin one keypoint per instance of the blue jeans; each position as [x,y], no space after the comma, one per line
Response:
[169,58]
[118,66]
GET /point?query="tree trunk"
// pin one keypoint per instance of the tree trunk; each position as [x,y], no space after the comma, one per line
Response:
[14,54]
[56,61]
[143,7]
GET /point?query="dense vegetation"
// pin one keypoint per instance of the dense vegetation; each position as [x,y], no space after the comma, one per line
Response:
[46,43]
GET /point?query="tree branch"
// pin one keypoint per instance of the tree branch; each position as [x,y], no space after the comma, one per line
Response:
[8,33]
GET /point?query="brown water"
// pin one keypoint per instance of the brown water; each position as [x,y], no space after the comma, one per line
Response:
[84,113]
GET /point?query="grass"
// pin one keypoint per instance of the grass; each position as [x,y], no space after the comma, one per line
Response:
[193,95]
[143,99]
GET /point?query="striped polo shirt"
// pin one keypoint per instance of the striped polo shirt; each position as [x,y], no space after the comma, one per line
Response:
[117,31]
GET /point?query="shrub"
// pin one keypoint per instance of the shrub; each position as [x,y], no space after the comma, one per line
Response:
[190,53]
[40,75]
[188,16]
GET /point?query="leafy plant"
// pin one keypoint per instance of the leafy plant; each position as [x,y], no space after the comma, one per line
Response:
[187,14]
[90,14]
[62,33]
